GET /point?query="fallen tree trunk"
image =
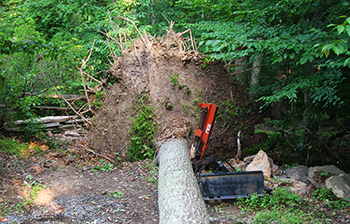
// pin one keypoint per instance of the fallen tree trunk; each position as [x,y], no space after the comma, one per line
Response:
[179,196]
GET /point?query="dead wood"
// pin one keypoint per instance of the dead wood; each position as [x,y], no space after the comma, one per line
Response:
[239,148]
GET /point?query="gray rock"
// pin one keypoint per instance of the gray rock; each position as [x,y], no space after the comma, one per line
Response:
[319,174]
[299,173]
[274,168]
[340,185]
[299,188]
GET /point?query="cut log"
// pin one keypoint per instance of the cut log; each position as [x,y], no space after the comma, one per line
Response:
[52,108]
[179,196]
[43,120]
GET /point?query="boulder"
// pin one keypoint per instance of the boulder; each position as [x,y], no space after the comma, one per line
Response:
[296,187]
[319,174]
[340,185]
[299,188]
[299,173]
[274,168]
[261,162]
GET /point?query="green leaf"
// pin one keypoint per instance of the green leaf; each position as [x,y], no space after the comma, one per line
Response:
[336,50]
[215,42]
[340,29]
[347,62]
[303,60]
[347,20]
[209,42]
[291,55]
[326,53]
[348,30]
[342,48]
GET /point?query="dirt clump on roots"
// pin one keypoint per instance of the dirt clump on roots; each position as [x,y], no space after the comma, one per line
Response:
[174,81]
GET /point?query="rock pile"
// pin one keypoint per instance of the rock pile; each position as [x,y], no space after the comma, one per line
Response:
[300,179]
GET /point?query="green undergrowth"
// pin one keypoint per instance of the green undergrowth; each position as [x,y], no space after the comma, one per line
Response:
[13,147]
[282,206]
[104,168]
[142,131]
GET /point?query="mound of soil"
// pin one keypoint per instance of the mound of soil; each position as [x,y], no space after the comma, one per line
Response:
[174,81]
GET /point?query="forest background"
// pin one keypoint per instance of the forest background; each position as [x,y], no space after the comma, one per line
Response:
[294,55]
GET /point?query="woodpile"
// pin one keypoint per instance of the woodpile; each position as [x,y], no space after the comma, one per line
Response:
[57,123]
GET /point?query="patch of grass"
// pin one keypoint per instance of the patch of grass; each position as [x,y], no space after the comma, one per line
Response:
[116,194]
[35,185]
[174,82]
[153,171]
[173,79]
[329,199]
[13,147]
[104,168]
[280,207]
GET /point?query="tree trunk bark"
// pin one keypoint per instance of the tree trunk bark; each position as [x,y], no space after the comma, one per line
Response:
[179,196]
[241,75]
[255,77]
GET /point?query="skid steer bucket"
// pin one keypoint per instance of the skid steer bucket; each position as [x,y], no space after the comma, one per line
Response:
[231,185]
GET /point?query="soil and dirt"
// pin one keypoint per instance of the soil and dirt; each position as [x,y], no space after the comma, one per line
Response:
[174,81]
[77,192]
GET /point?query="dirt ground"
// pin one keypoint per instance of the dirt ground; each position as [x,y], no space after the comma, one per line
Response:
[70,186]
[73,189]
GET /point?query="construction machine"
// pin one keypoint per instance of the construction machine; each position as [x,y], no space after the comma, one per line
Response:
[220,183]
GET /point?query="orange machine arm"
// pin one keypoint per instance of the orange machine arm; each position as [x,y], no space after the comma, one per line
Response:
[206,124]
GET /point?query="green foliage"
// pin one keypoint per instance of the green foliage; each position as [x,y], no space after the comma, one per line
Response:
[35,186]
[41,44]
[233,112]
[173,79]
[326,195]
[281,197]
[281,207]
[174,82]
[13,147]
[116,194]
[142,132]
[104,168]
[293,36]
[100,95]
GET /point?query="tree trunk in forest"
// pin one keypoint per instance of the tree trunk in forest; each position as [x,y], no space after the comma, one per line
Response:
[276,109]
[255,77]
[179,196]
[153,16]
[240,73]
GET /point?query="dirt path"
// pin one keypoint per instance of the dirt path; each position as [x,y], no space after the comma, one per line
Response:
[77,195]
[70,187]
[125,194]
